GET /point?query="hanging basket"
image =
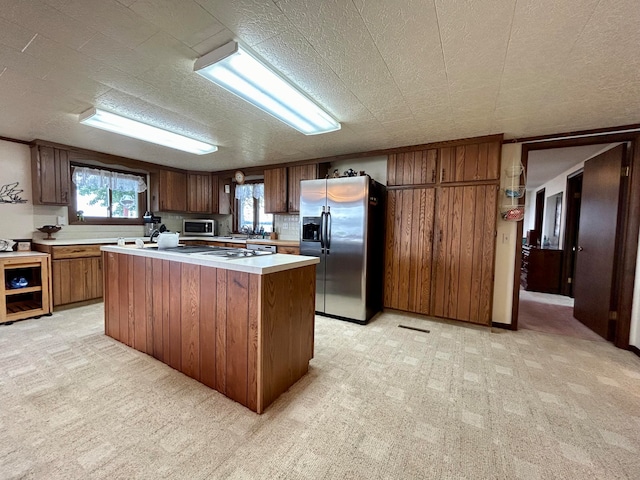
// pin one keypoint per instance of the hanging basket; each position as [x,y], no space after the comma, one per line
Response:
[514,171]
[515,192]
[512,213]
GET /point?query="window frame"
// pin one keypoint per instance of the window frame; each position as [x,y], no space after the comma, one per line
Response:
[256,208]
[73,207]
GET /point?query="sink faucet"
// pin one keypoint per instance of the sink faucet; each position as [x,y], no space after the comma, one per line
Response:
[154,233]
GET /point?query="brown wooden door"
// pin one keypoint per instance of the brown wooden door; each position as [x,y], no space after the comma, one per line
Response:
[296,174]
[597,233]
[275,190]
[464,249]
[199,193]
[76,280]
[412,168]
[408,244]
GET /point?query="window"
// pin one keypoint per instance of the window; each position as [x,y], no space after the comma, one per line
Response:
[250,208]
[107,196]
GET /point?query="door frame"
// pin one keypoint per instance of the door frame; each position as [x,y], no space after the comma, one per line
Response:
[629,210]
[570,231]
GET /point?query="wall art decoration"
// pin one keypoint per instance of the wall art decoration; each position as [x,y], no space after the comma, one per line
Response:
[10,193]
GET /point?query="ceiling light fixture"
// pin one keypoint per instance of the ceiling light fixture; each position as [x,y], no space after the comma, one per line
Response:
[241,72]
[132,128]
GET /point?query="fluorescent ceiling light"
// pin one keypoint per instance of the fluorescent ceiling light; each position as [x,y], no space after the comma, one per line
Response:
[132,128]
[241,72]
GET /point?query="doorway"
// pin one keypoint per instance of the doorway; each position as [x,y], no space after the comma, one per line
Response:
[626,237]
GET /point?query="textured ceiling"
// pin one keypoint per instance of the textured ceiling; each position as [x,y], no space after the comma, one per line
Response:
[395,73]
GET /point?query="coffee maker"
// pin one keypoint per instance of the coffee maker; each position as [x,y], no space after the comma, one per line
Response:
[151,222]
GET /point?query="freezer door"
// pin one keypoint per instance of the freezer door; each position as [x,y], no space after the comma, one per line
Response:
[345,277]
[313,197]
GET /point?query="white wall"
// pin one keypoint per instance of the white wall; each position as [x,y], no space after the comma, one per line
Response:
[505,246]
[16,219]
[375,167]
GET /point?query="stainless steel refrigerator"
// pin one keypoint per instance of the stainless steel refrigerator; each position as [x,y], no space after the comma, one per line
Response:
[341,222]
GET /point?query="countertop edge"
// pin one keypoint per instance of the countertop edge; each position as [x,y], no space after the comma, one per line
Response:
[114,240]
[261,265]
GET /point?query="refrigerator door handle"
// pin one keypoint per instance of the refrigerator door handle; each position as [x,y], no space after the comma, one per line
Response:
[328,228]
[322,226]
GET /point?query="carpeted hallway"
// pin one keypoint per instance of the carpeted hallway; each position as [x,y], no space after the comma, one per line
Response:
[379,402]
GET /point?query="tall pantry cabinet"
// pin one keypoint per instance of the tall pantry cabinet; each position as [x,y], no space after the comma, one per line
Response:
[440,230]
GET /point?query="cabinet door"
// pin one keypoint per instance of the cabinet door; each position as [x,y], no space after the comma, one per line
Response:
[464,246]
[76,280]
[275,190]
[173,191]
[199,193]
[408,247]
[467,163]
[215,200]
[412,168]
[289,250]
[296,174]
[52,175]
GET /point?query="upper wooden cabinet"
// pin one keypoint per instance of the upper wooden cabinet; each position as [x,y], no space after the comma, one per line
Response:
[412,168]
[468,163]
[456,164]
[200,193]
[172,194]
[296,174]
[282,186]
[275,190]
[50,175]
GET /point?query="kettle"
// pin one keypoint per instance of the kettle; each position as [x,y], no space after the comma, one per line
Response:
[167,240]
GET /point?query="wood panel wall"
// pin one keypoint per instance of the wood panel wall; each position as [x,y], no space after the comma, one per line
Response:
[250,337]
[408,249]
[464,249]
[440,230]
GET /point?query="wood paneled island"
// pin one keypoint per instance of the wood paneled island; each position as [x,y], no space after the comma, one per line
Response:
[243,327]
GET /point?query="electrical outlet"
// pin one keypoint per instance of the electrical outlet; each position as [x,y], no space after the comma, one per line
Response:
[227,188]
[62,220]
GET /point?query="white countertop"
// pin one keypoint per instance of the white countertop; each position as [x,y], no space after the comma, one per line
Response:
[114,240]
[22,254]
[261,265]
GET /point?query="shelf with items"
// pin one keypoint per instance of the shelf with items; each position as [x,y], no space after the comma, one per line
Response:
[514,188]
[25,289]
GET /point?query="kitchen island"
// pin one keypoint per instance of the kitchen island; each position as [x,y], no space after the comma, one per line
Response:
[241,326]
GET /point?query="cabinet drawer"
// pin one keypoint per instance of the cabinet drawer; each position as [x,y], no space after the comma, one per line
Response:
[289,250]
[75,251]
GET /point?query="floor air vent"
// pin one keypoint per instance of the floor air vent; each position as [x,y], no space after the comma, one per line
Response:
[414,328]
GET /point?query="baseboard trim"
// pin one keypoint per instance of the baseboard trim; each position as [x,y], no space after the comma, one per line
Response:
[635,349]
[506,326]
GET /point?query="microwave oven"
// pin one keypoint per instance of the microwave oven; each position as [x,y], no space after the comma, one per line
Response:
[199,228]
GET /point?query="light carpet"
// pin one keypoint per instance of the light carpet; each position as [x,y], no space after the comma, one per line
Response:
[379,402]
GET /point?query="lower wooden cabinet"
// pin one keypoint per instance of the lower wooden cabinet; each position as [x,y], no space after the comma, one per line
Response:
[541,269]
[76,272]
[76,280]
[288,250]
